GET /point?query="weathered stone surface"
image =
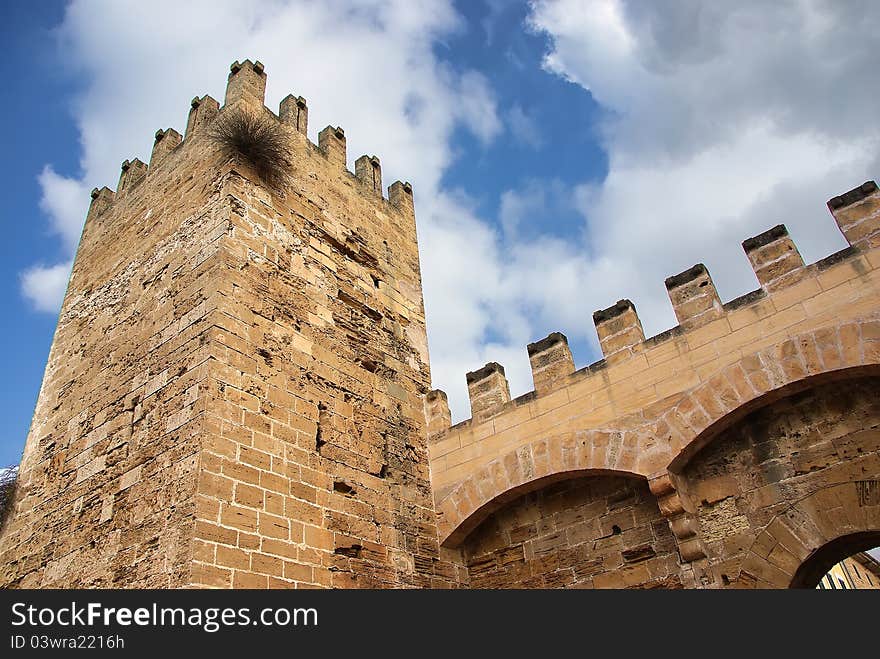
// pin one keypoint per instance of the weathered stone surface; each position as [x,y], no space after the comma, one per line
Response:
[584,532]
[778,456]
[657,407]
[234,392]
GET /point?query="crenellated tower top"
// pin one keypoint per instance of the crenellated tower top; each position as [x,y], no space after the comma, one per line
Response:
[245,91]
[778,267]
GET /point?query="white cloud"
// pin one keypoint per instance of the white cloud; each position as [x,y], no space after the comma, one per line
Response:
[44,286]
[494,12]
[517,205]
[722,120]
[65,202]
[524,128]
[476,106]
[504,291]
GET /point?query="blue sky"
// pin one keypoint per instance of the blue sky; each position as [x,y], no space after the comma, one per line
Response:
[564,153]
[39,130]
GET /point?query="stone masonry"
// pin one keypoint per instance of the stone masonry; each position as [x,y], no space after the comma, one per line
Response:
[753,423]
[234,395]
[237,396]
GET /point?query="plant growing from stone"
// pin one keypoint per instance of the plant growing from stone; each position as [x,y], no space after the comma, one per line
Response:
[256,140]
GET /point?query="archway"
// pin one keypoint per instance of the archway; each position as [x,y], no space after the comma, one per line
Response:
[794,473]
[524,469]
[820,561]
[799,545]
[600,530]
[720,422]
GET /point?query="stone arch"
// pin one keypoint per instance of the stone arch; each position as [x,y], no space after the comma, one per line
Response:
[652,444]
[530,467]
[822,560]
[837,352]
[797,541]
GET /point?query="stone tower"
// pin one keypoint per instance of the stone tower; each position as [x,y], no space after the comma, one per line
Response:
[233,396]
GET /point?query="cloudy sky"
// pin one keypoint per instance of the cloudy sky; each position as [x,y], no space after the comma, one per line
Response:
[564,153]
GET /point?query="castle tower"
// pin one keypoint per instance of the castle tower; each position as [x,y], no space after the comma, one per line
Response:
[234,393]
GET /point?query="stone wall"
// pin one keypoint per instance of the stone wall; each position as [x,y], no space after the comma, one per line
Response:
[652,403]
[106,494]
[590,532]
[607,531]
[777,456]
[234,394]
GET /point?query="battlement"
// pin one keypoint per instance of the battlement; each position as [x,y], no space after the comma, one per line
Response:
[245,90]
[693,296]
[784,280]
[644,412]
